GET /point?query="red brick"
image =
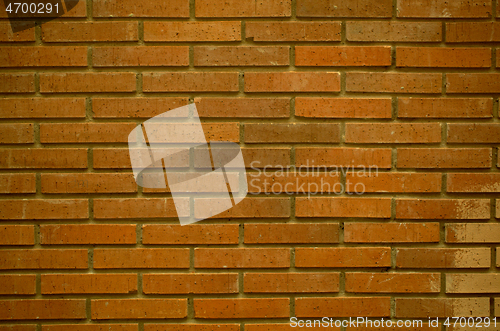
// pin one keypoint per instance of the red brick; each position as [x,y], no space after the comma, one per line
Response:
[43,309]
[136,208]
[293,31]
[391,232]
[45,158]
[292,82]
[473,183]
[443,208]
[473,283]
[17,183]
[17,235]
[17,83]
[89,283]
[42,108]
[7,35]
[443,57]
[89,31]
[193,234]
[136,258]
[243,8]
[405,133]
[343,207]
[349,8]
[473,83]
[43,259]
[343,307]
[442,307]
[473,133]
[472,32]
[242,308]
[43,209]
[343,157]
[190,81]
[232,56]
[443,258]
[376,31]
[205,283]
[17,133]
[87,234]
[364,282]
[268,233]
[402,182]
[292,133]
[105,309]
[344,56]
[192,327]
[440,158]
[343,107]
[391,82]
[89,183]
[192,31]
[248,208]
[322,282]
[241,258]
[138,56]
[445,108]
[129,8]
[19,327]
[472,233]
[85,132]
[40,56]
[343,257]
[119,158]
[17,284]
[84,82]
[243,107]
[444,9]
[91,327]
[290,326]
[135,107]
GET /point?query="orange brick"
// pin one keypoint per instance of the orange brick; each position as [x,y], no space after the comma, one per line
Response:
[391,82]
[391,232]
[192,31]
[385,133]
[43,309]
[242,308]
[473,183]
[473,283]
[343,107]
[17,133]
[376,31]
[338,8]
[44,158]
[440,158]
[472,32]
[19,327]
[343,157]
[129,8]
[190,283]
[89,283]
[135,208]
[138,56]
[42,108]
[43,209]
[89,31]
[243,107]
[445,108]
[135,107]
[119,158]
[444,9]
[91,327]
[291,282]
[18,284]
[473,133]
[191,327]
[89,183]
[343,257]
[105,309]
[472,233]
[293,31]
[477,327]
[343,307]
[17,235]
[269,233]
[443,57]
[441,307]
[443,208]
[290,326]
[241,258]
[192,234]
[258,158]
[137,258]
[87,234]
[343,207]
[443,258]
[243,8]
[17,83]
[7,35]
[41,56]
[248,208]
[364,282]
[83,82]
[85,132]
[292,82]
[232,56]
[190,81]
[402,182]
[473,83]
[17,183]
[292,133]
[43,259]
[344,56]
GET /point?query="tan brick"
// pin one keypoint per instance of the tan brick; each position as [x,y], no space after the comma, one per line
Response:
[119,158]
[343,107]
[17,235]
[338,8]
[473,83]
[17,133]
[129,8]
[43,259]
[88,283]
[377,31]
[241,258]
[91,327]
[243,107]
[391,82]
[472,32]
[18,284]
[90,31]
[343,207]
[199,283]
[138,56]
[443,258]
[84,82]
[141,258]
[17,183]
[26,34]
[473,283]
[45,158]
[443,57]
[42,108]
[445,108]
[293,31]
[343,257]
[344,56]
[440,158]
[473,183]
[443,208]
[303,282]
[364,282]
[391,232]
[190,81]
[85,234]
[292,133]
[135,107]
[85,132]
[17,83]
[269,233]
[43,309]
[193,234]
[192,31]
[444,9]
[43,209]
[105,309]
[242,308]
[248,208]
[402,182]
[292,82]
[136,208]
[472,233]
[405,133]
[343,157]
[343,307]
[243,8]
[40,56]
[232,56]
[441,307]
[88,183]
[473,133]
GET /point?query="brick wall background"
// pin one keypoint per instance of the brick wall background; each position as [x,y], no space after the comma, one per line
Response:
[410,86]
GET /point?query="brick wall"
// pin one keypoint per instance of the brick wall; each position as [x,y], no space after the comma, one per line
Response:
[409,87]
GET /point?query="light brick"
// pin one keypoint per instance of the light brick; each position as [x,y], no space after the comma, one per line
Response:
[42,108]
[391,82]
[17,83]
[292,133]
[441,158]
[190,82]
[402,182]
[18,259]
[473,83]
[343,307]
[363,282]
[442,307]
[135,107]
[472,233]
[292,82]
[119,158]
[43,209]
[472,32]
[243,8]
[445,108]
[293,31]
[443,258]
[232,56]
[18,284]
[17,235]
[387,31]
[391,232]
[443,208]
[343,257]
[394,133]
[40,56]
[129,8]
[243,107]
[343,207]
[339,8]
[242,308]
[473,283]
[43,309]
[89,31]
[199,283]
[87,234]
[17,183]
[241,258]
[343,157]
[136,208]
[105,309]
[193,234]
[444,9]
[139,56]
[269,233]
[141,258]
[303,282]
[192,31]
[88,283]
[343,107]
[85,82]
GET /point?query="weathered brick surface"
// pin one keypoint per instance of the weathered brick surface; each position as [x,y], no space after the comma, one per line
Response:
[291,233]
[105,309]
[337,8]
[88,283]
[293,31]
[344,56]
[205,283]
[141,258]
[342,257]
[291,282]
[233,56]
[17,183]
[444,9]
[443,258]
[192,31]
[377,31]
[18,284]
[361,282]
[244,308]
[343,307]
[292,82]
[35,56]
[441,158]
[445,108]
[90,31]
[79,234]
[243,8]
[17,235]
[194,234]
[441,307]
[343,107]
[389,82]
[472,32]
[44,309]
[391,232]
[128,8]
[242,258]
[42,108]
